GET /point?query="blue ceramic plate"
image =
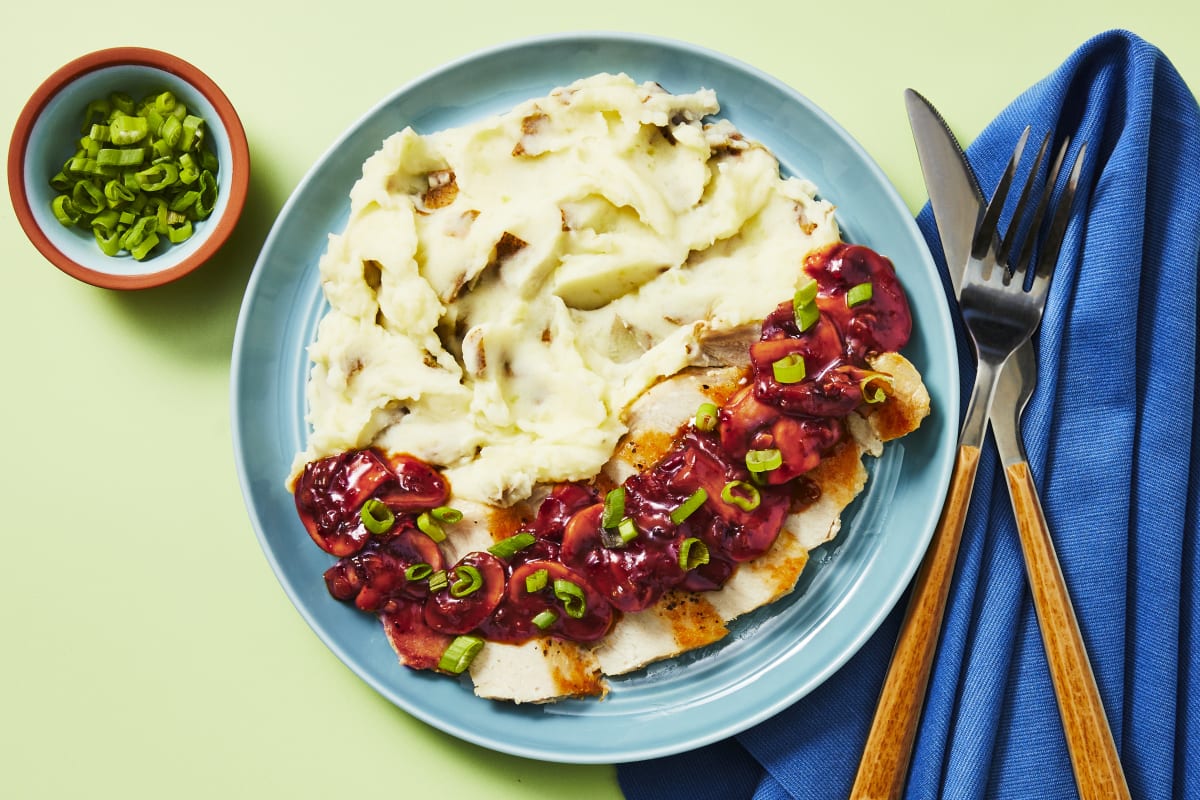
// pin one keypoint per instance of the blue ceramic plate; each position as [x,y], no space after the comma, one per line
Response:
[772,657]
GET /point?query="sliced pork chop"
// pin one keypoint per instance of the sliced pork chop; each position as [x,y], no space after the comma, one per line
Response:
[548,669]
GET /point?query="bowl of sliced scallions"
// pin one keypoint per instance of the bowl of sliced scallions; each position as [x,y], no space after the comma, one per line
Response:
[128,168]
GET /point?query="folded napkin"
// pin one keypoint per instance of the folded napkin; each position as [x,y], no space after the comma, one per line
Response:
[1113,442]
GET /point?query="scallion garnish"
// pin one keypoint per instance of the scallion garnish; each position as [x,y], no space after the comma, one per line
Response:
[627,530]
[692,553]
[376,516]
[878,396]
[807,316]
[763,460]
[806,292]
[706,417]
[858,294]
[572,597]
[131,153]
[789,369]
[446,514]
[804,307]
[467,580]
[741,494]
[438,580]
[545,619]
[428,526]
[614,508]
[689,506]
[418,572]
[459,654]
[536,581]
[507,548]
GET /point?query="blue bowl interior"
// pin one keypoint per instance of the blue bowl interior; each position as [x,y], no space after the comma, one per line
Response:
[54,138]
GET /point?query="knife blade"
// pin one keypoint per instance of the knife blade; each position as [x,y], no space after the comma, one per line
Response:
[958,206]
[954,192]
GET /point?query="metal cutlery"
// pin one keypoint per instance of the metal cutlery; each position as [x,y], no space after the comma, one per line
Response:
[957,204]
[1000,315]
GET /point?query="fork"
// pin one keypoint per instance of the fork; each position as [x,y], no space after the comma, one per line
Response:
[1000,314]
[1094,757]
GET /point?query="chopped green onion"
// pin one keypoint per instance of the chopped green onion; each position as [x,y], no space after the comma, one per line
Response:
[438,580]
[507,548]
[64,210]
[447,514]
[627,530]
[572,597]
[459,654]
[165,103]
[118,157]
[96,111]
[191,131]
[171,132]
[157,177]
[376,516]
[763,460]
[189,170]
[807,316]
[741,494]
[430,528]
[208,195]
[88,197]
[806,292]
[693,553]
[418,572]
[804,307]
[545,619]
[106,222]
[467,580]
[536,581]
[179,230]
[614,508]
[142,249]
[121,102]
[789,369]
[689,506]
[128,130]
[706,417]
[117,193]
[878,396]
[129,149]
[858,294]
[109,242]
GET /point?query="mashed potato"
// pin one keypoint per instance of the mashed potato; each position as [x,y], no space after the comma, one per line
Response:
[504,291]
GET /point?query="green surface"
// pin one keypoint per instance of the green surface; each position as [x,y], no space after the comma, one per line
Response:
[148,650]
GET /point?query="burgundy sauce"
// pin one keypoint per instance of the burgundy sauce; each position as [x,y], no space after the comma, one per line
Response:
[802,420]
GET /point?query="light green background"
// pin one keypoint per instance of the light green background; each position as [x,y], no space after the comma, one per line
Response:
[147,650]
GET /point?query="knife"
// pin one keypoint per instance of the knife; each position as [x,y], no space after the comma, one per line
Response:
[954,192]
[958,206]
[883,769]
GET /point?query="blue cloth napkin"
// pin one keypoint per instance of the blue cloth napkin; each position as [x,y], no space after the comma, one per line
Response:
[1113,442]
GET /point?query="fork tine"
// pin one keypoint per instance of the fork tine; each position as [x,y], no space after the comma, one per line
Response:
[1048,258]
[1019,214]
[991,217]
[1043,203]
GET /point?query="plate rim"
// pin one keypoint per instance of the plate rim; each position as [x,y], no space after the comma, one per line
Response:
[867,627]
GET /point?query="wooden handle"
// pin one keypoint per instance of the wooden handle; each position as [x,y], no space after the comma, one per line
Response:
[1094,758]
[884,765]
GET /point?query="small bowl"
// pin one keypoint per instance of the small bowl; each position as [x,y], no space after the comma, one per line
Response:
[47,133]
